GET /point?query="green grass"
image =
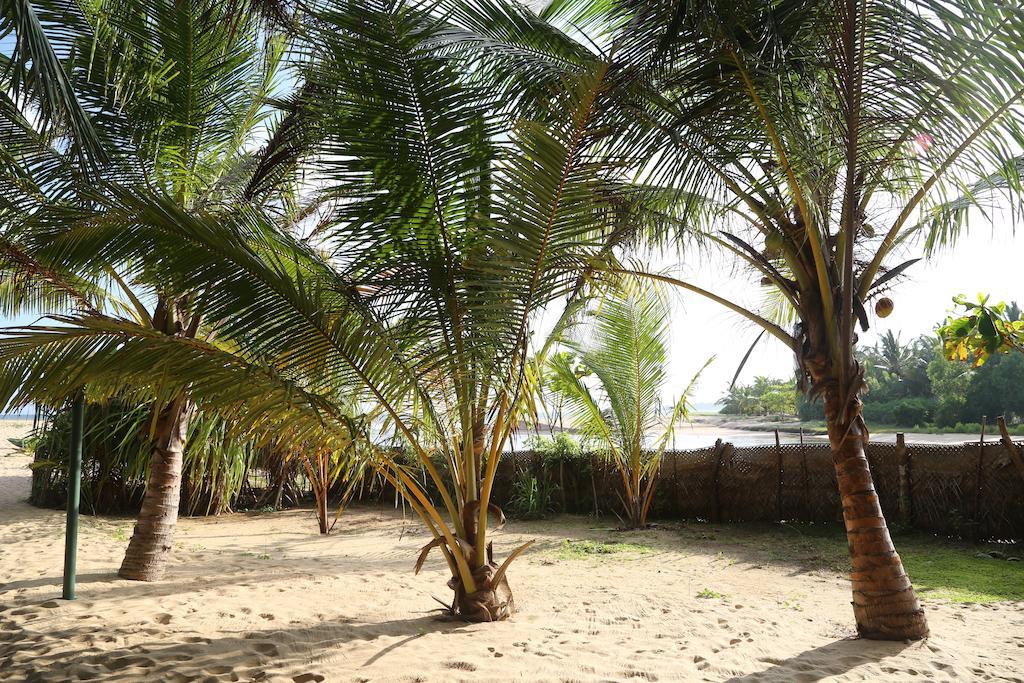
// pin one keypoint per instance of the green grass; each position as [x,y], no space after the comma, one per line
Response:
[955,574]
[939,569]
[708,594]
[578,550]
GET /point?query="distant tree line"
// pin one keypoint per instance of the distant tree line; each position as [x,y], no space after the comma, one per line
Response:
[766,396]
[909,384]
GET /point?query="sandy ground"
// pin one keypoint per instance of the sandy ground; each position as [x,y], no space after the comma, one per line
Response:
[263,597]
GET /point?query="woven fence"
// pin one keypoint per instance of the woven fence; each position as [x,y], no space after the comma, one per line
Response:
[966,489]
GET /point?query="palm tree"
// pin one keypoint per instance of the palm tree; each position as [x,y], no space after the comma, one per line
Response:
[785,132]
[806,123]
[167,95]
[626,352]
[456,220]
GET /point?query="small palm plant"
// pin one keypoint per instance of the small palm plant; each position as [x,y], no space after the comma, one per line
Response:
[626,353]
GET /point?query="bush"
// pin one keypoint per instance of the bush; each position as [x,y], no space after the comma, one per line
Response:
[810,409]
[532,498]
[903,412]
[558,448]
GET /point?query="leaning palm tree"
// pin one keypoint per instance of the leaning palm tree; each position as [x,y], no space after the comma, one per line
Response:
[812,141]
[626,351]
[809,124]
[456,219]
[156,93]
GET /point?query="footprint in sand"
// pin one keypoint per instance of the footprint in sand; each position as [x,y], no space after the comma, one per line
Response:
[461,666]
[124,662]
[308,678]
[267,649]
[163,619]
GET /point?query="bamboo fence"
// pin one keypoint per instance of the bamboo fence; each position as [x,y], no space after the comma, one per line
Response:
[968,489]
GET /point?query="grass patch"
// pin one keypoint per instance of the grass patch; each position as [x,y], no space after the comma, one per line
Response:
[955,574]
[708,594]
[578,550]
[940,569]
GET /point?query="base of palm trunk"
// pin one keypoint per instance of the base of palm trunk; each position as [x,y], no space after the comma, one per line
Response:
[877,624]
[491,601]
[145,561]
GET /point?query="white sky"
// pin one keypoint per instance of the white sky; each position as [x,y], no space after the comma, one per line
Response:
[990,260]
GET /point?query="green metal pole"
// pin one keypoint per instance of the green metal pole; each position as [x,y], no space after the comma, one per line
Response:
[74,493]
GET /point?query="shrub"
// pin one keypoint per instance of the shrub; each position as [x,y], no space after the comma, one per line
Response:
[906,412]
[532,498]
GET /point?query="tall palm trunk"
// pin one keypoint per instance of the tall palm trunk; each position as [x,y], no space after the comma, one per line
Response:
[884,603]
[154,528]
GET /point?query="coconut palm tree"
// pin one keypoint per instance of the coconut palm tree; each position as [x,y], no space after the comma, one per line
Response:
[456,219]
[811,123]
[812,141]
[167,95]
[626,351]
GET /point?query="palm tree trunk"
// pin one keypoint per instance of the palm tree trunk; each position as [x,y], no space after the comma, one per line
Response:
[154,528]
[884,603]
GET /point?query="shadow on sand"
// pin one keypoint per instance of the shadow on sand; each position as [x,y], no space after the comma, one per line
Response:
[832,659]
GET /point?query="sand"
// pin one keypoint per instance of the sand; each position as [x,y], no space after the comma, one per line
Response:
[264,597]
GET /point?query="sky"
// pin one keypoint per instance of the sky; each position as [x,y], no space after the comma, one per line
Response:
[989,259]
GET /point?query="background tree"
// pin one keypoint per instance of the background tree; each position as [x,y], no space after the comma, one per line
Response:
[766,396]
[984,330]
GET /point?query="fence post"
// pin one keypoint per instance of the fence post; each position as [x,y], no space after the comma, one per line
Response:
[716,508]
[903,465]
[1011,447]
[806,482]
[978,481]
[675,481]
[778,468]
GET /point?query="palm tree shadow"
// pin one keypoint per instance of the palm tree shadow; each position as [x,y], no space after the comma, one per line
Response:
[183,655]
[832,659]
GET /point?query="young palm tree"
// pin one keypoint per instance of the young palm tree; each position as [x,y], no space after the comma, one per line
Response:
[456,220]
[626,352]
[167,95]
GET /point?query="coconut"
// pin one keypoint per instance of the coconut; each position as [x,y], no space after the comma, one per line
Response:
[883,307]
[774,242]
